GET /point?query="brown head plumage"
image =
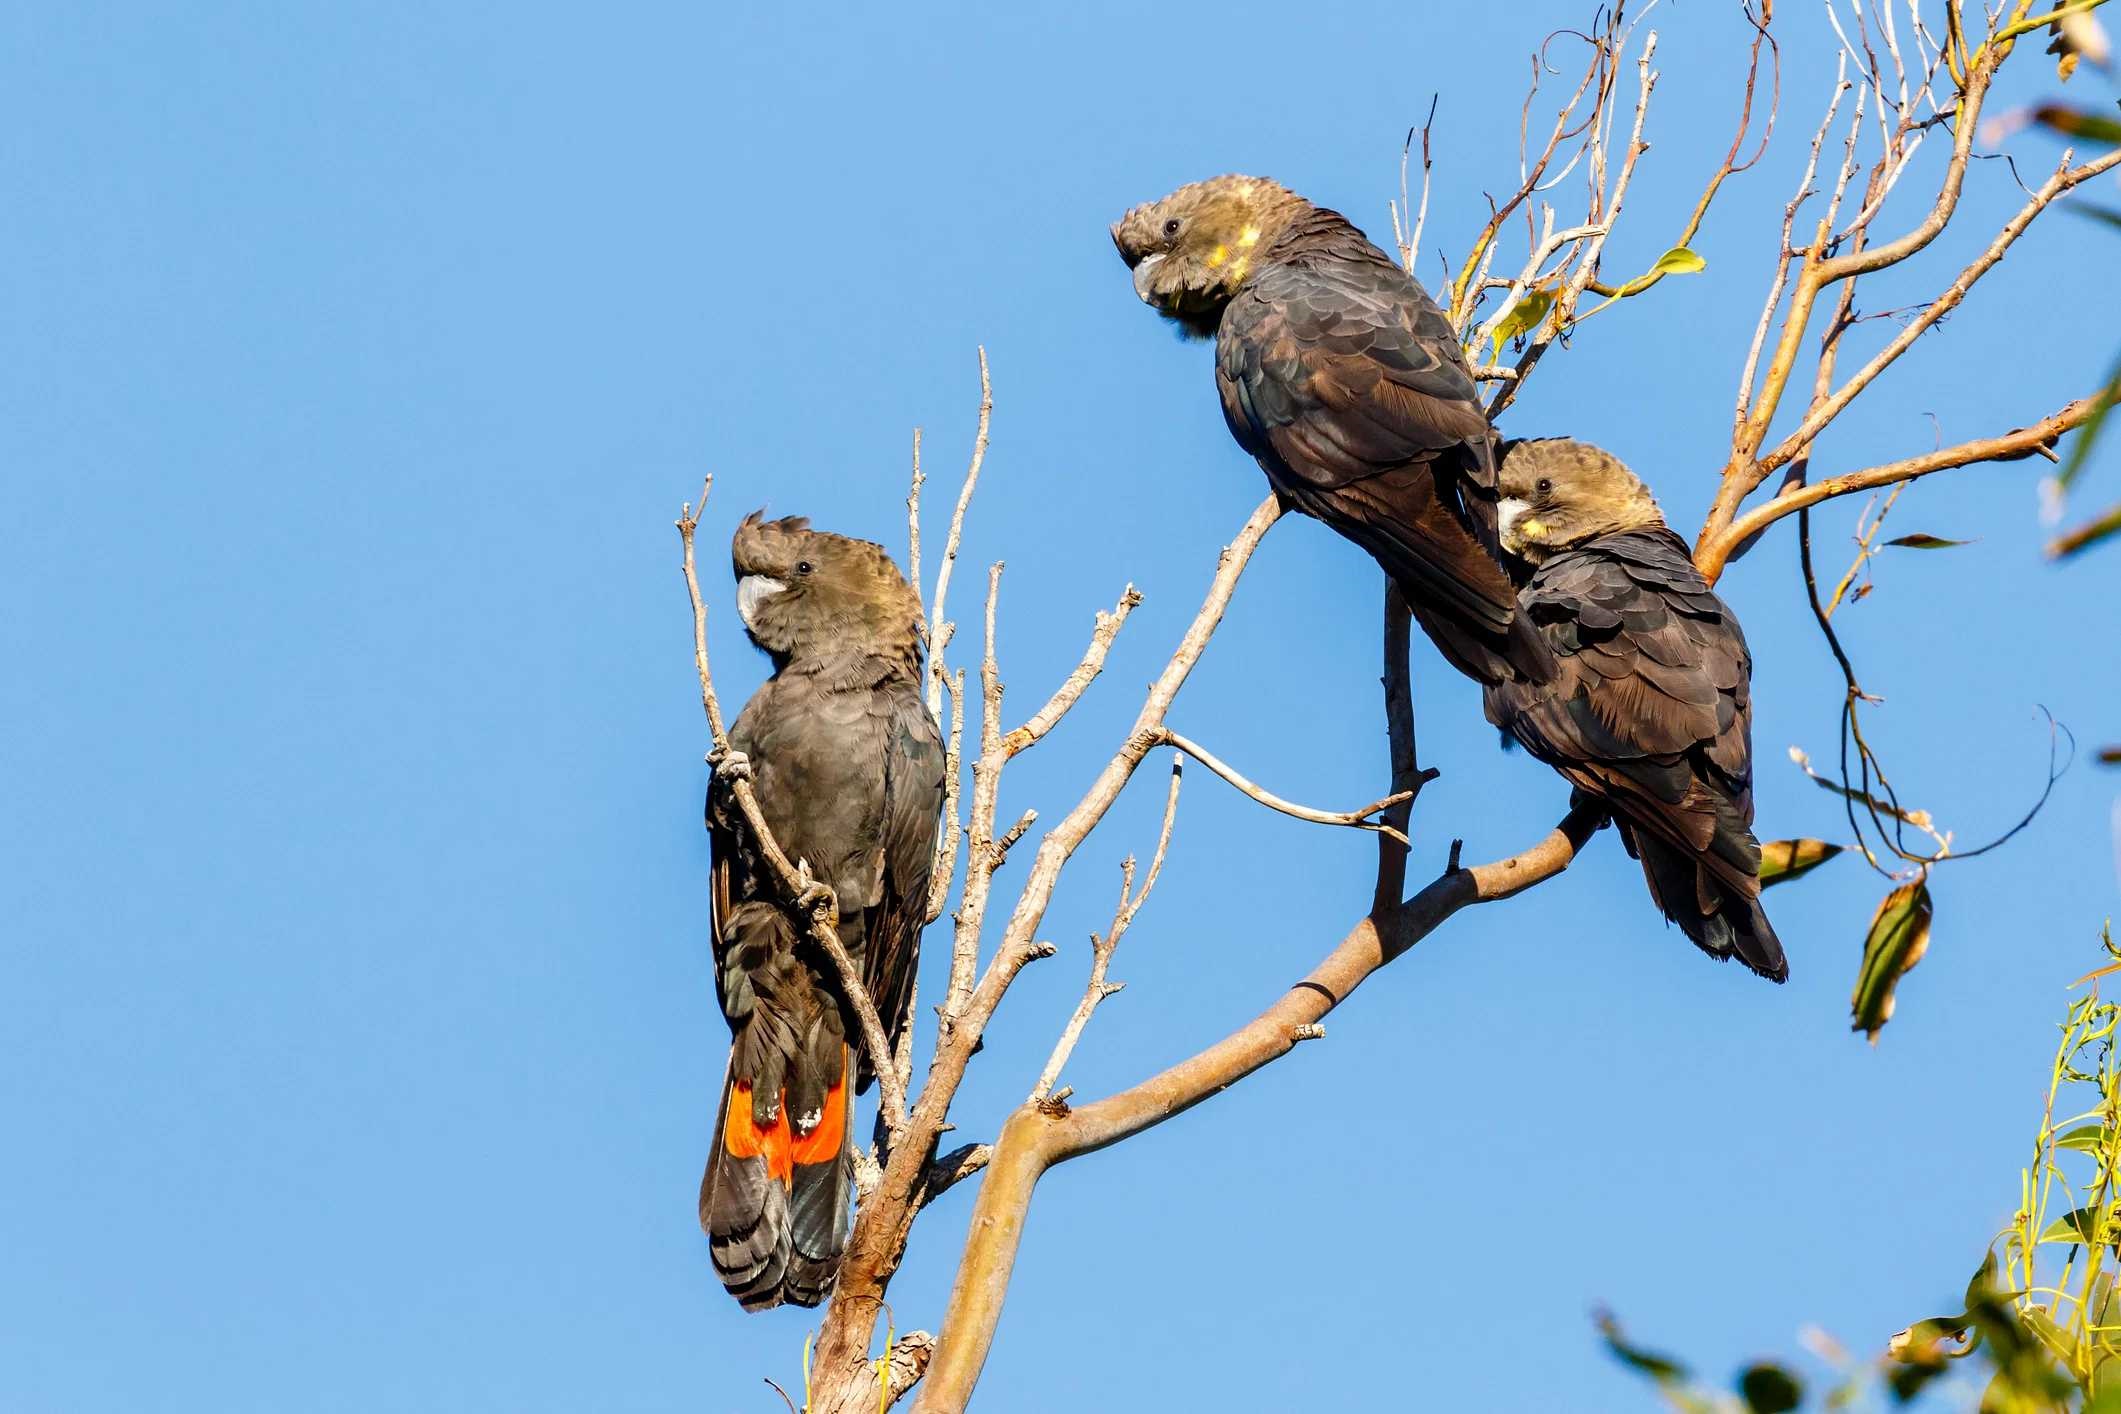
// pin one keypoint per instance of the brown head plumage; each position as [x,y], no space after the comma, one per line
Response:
[808,594]
[1558,494]
[1193,250]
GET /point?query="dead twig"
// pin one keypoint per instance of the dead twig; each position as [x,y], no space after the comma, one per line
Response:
[1102,948]
[1361,819]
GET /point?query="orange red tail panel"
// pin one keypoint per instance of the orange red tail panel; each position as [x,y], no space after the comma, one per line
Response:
[745,1138]
[822,1144]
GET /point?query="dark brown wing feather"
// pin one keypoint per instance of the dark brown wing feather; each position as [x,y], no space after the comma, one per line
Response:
[1650,710]
[1341,376]
[912,798]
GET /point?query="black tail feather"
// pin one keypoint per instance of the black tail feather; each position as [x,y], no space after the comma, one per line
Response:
[1723,922]
[744,1212]
[774,1199]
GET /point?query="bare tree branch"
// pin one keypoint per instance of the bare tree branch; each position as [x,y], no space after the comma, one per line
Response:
[1102,948]
[883,1220]
[2064,179]
[943,873]
[1605,212]
[940,628]
[1355,819]
[2014,445]
[1037,1137]
[1078,681]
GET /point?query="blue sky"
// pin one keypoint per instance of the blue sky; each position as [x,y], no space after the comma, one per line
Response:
[362,1040]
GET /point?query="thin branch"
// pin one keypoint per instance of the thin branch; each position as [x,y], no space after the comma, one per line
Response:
[1072,688]
[876,1244]
[1726,530]
[1354,819]
[809,902]
[945,868]
[913,525]
[1782,265]
[981,858]
[1868,529]
[939,628]
[1730,166]
[2064,179]
[1038,1137]
[1474,270]
[2009,446]
[1066,836]
[2033,22]
[954,1168]
[1604,213]
[1744,472]
[1102,948]
[1409,241]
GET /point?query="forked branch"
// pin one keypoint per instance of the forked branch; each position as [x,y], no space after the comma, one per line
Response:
[1045,1131]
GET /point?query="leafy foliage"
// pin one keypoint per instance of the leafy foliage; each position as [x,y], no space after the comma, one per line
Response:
[2039,1325]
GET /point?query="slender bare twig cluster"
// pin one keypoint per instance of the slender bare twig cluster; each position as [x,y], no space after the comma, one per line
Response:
[1539,305]
[1910,87]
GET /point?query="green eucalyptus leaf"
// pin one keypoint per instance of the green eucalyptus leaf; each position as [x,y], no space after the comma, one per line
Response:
[1983,1281]
[1898,936]
[1657,1367]
[2078,123]
[2088,435]
[1925,1342]
[1784,860]
[1523,318]
[2079,1225]
[2085,1139]
[1679,261]
[2052,1336]
[2087,535]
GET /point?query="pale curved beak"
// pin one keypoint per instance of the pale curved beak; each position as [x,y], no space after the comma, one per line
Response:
[752,591]
[1508,512]
[1143,272]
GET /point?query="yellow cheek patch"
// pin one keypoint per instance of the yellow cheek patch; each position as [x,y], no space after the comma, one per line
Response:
[1530,528]
[1250,237]
[1219,255]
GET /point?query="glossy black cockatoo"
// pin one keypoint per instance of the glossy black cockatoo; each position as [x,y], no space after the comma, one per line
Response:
[847,765]
[1343,379]
[1649,709]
